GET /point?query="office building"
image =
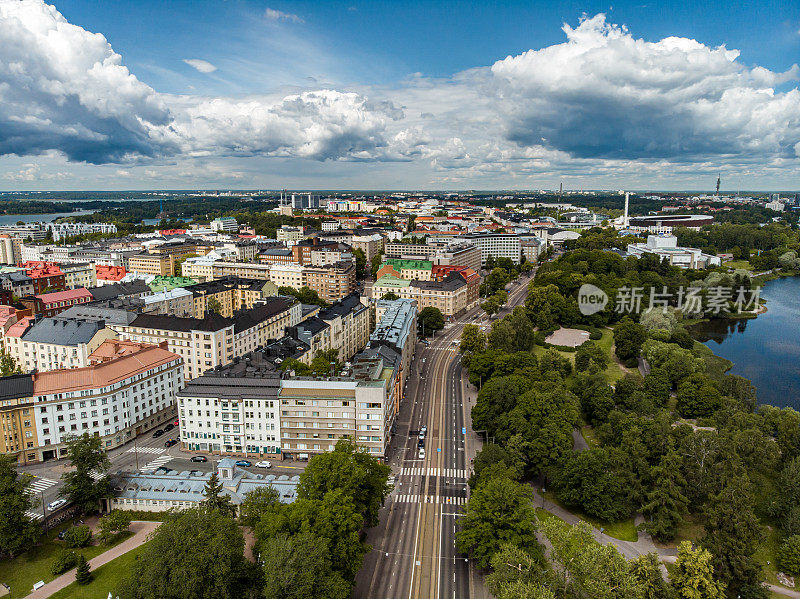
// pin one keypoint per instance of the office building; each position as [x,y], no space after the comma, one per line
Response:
[666,247]
[225,224]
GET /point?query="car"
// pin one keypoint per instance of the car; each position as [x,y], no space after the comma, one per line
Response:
[199,458]
[169,427]
[176,423]
[158,433]
[244,463]
[54,505]
[390,481]
[263,464]
[170,443]
[421,453]
[423,433]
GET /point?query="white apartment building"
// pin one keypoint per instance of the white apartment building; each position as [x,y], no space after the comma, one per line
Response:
[126,389]
[55,343]
[62,230]
[499,245]
[175,302]
[225,223]
[289,235]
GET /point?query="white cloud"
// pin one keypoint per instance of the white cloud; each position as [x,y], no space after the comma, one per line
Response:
[201,65]
[277,15]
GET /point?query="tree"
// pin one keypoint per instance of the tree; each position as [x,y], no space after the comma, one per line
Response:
[472,339]
[299,567]
[430,319]
[732,536]
[18,531]
[697,396]
[391,296]
[256,504]
[628,339]
[788,556]
[361,263]
[8,365]
[375,264]
[87,456]
[114,523]
[647,571]
[76,537]
[351,469]
[214,306]
[517,575]
[305,295]
[215,497]
[499,511]
[326,363]
[299,368]
[693,575]
[589,480]
[590,356]
[82,574]
[666,505]
[195,554]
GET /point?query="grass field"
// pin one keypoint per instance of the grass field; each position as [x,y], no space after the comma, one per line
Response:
[613,373]
[736,264]
[624,531]
[104,580]
[22,572]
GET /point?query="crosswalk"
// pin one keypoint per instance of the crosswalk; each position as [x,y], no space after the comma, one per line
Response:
[155,450]
[446,472]
[415,498]
[158,462]
[34,515]
[40,484]
[95,475]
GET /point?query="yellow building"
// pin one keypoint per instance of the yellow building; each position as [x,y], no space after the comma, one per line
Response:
[152,264]
[17,424]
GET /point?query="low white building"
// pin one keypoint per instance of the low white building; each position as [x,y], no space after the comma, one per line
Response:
[666,247]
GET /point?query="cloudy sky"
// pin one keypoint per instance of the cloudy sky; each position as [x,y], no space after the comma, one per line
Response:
[399,95]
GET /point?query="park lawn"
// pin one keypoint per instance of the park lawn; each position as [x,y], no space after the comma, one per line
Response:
[765,554]
[22,572]
[613,372]
[624,530]
[734,264]
[104,580]
[543,515]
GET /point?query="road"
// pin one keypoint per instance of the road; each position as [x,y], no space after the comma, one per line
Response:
[414,553]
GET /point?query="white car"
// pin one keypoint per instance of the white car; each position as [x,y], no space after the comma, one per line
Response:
[421,453]
[56,504]
[264,464]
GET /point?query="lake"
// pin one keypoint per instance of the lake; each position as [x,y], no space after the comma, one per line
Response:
[766,349]
[13,219]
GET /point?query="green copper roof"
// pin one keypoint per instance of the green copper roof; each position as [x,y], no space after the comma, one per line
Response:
[401,263]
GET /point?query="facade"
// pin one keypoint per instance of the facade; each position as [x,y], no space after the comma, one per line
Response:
[344,326]
[332,282]
[50,304]
[56,343]
[126,389]
[452,295]
[176,302]
[63,230]
[464,253]
[45,276]
[666,247]
[371,245]
[225,223]
[9,250]
[231,294]
[211,341]
[289,235]
[396,329]
[79,274]
[17,424]
[499,245]
[18,283]
[152,264]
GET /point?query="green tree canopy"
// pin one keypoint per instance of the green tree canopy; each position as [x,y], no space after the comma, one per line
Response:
[18,531]
[86,456]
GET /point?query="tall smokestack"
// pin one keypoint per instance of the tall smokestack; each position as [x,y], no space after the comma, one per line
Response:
[625,218]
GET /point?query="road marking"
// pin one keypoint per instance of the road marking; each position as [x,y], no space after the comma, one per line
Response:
[156,450]
[34,515]
[40,484]
[445,472]
[158,462]
[416,498]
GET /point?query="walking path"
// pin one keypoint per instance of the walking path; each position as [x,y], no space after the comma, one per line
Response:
[141,530]
[632,549]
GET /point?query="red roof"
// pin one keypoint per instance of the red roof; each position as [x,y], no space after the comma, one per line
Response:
[110,273]
[63,296]
[36,269]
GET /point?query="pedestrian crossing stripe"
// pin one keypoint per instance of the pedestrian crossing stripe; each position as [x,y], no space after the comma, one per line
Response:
[34,515]
[429,499]
[158,462]
[95,475]
[156,450]
[444,472]
[40,484]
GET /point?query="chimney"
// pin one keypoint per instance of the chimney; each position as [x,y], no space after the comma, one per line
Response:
[625,218]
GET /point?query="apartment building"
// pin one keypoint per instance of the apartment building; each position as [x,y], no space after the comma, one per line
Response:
[412,270]
[54,343]
[45,276]
[230,294]
[465,253]
[452,295]
[289,235]
[176,302]
[50,304]
[251,408]
[9,250]
[79,274]
[227,224]
[152,264]
[332,282]
[18,283]
[63,230]
[17,425]
[499,245]
[344,326]
[371,245]
[125,389]
[213,340]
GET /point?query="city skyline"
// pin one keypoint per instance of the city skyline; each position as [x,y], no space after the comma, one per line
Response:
[272,95]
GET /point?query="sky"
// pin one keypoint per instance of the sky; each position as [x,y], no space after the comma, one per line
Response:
[248,94]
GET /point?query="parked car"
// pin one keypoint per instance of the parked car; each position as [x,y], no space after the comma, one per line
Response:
[170,443]
[263,464]
[199,458]
[54,505]
[421,453]
[158,433]
[244,463]
[390,481]
[169,427]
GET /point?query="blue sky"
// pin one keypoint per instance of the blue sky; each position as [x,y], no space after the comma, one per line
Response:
[399,94]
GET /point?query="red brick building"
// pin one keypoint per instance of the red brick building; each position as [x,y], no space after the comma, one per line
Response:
[46,276]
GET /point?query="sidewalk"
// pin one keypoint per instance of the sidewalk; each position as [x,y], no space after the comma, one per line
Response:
[141,530]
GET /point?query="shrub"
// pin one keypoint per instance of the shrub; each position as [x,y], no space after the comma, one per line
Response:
[78,536]
[595,335]
[65,561]
[788,556]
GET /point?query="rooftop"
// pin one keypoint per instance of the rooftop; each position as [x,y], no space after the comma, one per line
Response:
[63,296]
[63,331]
